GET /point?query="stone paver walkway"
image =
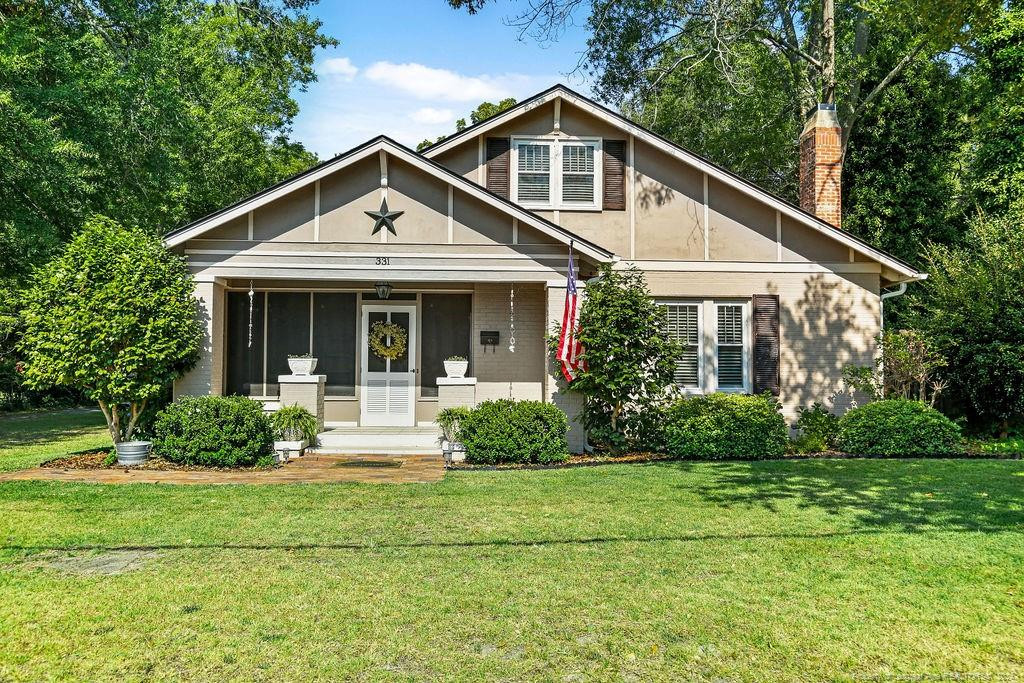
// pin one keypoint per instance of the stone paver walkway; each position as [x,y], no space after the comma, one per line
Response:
[309,469]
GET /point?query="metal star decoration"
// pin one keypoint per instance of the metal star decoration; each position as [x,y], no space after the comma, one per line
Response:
[384,218]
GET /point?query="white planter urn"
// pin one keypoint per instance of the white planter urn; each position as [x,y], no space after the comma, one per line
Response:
[301,365]
[456,369]
[288,450]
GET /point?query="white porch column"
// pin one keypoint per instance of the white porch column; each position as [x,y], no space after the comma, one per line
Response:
[207,377]
[571,402]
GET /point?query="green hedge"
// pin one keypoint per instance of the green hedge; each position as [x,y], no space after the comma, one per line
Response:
[725,426]
[214,431]
[507,431]
[898,427]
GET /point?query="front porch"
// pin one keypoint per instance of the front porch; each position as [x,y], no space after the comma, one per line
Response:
[366,403]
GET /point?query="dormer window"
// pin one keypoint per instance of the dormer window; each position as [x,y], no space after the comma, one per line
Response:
[550,173]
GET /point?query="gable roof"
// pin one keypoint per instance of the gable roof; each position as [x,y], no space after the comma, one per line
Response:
[702,164]
[369,148]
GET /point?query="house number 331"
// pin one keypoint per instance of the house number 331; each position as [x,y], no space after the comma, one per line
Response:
[383,261]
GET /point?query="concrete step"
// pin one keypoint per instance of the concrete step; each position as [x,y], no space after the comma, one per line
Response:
[371,450]
[380,440]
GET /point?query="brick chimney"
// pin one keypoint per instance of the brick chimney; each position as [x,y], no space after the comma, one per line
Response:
[821,165]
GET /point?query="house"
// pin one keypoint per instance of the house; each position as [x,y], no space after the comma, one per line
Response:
[465,247]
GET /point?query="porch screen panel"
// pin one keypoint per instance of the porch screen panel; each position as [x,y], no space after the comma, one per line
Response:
[334,341]
[446,332]
[287,333]
[244,363]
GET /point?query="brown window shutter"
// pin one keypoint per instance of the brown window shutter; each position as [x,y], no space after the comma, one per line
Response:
[766,343]
[498,160]
[614,175]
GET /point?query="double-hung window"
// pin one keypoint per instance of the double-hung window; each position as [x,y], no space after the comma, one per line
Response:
[683,325]
[716,344]
[550,173]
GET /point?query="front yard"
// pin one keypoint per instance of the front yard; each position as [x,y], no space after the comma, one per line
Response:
[811,570]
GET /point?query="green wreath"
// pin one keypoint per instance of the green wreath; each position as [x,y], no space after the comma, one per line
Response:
[380,332]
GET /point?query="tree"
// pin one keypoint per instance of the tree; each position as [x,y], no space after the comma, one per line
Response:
[635,45]
[972,308]
[629,360]
[152,112]
[484,110]
[113,316]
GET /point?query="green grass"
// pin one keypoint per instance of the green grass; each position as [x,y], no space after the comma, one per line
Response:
[808,570]
[27,439]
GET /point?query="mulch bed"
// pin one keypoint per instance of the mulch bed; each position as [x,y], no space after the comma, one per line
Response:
[595,459]
[94,460]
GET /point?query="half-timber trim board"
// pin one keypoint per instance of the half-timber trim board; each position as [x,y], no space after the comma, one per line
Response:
[381,145]
[560,92]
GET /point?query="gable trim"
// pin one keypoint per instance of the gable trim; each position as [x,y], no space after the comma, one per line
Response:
[706,166]
[384,144]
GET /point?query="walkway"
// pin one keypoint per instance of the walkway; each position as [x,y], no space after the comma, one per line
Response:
[309,469]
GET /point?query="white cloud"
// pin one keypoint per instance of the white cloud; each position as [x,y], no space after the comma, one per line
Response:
[428,83]
[430,115]
[339,66]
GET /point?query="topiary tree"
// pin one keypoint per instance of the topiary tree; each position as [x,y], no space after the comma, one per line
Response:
[113,316]
[629,359]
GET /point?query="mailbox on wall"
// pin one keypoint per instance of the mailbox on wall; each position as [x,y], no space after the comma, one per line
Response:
[489,338]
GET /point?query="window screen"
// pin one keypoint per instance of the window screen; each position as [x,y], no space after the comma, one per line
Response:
[578,174]
[287,333]
[244,371]
[334,341]
[682,326]
[534,173]
[730,346]
[446,332]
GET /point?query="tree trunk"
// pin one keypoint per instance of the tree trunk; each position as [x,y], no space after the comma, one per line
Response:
[110,414]
[828,52]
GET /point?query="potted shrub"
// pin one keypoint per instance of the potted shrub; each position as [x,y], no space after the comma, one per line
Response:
[456,366]
[450,420]
[295,428]
[302,364]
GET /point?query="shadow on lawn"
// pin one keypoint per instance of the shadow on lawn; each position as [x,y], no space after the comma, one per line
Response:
[30,429]
[943,495]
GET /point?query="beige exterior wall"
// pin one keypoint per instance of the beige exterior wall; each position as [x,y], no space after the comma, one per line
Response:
[207,377]
[827,321]
[502,373]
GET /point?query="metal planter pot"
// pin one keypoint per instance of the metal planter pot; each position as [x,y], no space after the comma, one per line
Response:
[131,453]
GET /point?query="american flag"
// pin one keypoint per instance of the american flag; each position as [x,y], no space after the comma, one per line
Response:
[569,348]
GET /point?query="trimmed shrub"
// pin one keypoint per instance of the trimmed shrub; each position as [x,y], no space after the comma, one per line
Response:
[214,431]
[817,424]
[898,426]
[507,431]
[725,426]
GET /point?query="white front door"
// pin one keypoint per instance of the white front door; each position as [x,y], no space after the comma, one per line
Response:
[388,386]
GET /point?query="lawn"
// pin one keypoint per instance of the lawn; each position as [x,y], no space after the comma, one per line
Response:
[805,570]
[27,439]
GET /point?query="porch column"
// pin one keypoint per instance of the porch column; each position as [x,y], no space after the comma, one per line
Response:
[207,377]
[571,402]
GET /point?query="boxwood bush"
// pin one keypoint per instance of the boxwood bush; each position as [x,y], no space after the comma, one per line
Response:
[898,426]
[507,431]
[725,426]
[214,431]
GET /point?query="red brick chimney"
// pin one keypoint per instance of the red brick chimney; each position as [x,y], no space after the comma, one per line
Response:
[821,165]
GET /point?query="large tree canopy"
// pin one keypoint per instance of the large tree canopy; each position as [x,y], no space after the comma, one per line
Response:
[149,111]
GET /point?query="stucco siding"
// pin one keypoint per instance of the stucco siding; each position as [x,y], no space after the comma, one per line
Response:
[740,228]
[290,218]
[669,207]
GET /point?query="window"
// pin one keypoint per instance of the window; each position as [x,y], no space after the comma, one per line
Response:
[683,325]
[715,360]
[730,347]
[553,174]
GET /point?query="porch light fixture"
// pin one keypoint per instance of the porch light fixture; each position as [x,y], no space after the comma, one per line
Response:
[383,290]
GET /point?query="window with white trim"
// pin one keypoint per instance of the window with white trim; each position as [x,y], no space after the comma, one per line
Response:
[549,173]
[715,336]
[730,347]
[683,325]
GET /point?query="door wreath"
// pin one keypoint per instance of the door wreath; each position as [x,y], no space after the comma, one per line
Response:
[380,333]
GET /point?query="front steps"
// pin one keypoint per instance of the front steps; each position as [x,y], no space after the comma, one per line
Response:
[379,441]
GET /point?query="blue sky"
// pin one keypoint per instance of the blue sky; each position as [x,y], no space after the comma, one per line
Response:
[410,68]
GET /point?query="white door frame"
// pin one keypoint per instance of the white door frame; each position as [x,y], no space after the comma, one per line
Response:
[392,381]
